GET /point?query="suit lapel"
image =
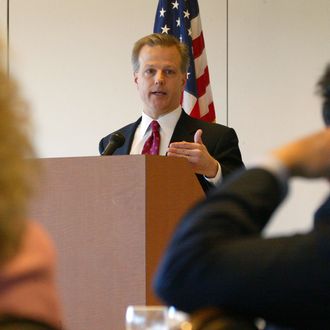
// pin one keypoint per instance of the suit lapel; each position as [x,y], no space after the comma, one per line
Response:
[128,131]
[184,129]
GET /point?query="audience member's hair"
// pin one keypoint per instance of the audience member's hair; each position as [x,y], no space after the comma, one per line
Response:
[16,172]
[324,90]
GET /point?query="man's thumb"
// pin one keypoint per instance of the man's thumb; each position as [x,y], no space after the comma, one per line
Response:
[198,136]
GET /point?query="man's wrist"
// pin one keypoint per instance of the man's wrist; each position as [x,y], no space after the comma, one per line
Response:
[217,176]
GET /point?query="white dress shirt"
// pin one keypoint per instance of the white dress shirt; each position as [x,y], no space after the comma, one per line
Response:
[167,124]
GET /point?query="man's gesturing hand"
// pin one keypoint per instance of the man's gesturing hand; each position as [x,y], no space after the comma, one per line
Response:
[196,153]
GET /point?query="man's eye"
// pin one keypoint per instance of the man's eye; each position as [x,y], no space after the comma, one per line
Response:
[149,72]
[169,72]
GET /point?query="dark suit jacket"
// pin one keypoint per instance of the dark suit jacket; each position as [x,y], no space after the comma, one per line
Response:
[218,258]
[221,142]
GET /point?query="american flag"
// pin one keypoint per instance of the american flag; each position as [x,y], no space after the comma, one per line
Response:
[181,18]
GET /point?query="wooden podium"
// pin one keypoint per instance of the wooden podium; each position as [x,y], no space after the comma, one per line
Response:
[111,218]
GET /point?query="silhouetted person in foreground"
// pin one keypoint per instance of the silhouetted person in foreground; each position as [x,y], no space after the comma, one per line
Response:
[218,258]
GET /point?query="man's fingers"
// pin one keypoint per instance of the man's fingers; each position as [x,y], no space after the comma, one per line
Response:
[183,151]
[184,145]
[174,154]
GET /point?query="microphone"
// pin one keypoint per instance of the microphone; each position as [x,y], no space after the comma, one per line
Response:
[116,140]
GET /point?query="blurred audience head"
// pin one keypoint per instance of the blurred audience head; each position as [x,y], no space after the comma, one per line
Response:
[16,171]
[324,91]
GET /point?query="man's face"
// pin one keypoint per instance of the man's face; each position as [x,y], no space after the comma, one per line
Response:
[159,79]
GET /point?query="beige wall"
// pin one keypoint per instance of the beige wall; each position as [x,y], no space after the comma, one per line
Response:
[277,51]
[73,59]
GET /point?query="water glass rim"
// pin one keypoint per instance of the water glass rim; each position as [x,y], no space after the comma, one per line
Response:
[148,307]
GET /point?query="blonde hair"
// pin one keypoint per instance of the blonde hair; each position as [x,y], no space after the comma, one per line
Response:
[17,169]
[162,40]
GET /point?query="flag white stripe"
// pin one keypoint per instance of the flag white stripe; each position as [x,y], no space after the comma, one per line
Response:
[196,27]
[200,64]
[204,101]
[188,102]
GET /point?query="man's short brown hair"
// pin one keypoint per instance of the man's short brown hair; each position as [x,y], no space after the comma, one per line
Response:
[163,40]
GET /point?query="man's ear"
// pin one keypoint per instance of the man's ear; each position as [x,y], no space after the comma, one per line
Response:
[136,77]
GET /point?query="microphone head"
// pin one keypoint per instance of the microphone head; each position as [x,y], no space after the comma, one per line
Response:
[116,140]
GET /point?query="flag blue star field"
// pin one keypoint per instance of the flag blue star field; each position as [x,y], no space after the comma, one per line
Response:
[181,18]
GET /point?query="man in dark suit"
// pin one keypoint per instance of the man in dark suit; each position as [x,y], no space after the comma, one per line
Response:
[218,257]
[160,64]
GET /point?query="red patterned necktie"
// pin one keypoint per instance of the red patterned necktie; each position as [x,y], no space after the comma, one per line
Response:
[151,146]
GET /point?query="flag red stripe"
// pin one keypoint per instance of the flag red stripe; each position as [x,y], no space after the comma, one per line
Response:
[202,82]
[195,112]
[198,45]
[210,116]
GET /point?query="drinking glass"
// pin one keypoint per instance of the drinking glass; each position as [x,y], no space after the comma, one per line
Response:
[146,318]
[178,320]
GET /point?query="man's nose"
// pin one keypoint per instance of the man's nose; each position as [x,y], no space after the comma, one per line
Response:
[159,77]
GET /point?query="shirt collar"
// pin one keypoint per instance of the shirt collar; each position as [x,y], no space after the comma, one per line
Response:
[167,122]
